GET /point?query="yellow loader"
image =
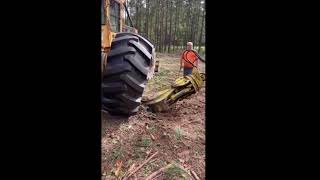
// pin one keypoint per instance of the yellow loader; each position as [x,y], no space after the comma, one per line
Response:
[127,60]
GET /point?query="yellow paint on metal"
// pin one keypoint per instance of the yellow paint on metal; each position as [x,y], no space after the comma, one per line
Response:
[107,35]
[160,96]
[180,89]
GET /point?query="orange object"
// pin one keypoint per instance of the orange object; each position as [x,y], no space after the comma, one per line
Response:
[191,56]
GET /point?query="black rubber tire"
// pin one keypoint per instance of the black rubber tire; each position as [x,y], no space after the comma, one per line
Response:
[126,74]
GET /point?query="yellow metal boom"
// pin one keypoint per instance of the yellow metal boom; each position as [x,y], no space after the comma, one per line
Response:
[182,87]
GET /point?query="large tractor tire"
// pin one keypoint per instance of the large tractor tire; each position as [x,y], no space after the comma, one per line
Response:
[125,77]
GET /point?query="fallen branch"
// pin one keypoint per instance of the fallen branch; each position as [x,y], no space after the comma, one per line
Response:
[139,167]
[152,137]
[129,170]
[194,175]
[154,174]
[118,165]
[153,160]
[156,177]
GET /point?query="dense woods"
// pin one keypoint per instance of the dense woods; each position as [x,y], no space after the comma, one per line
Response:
[169,24]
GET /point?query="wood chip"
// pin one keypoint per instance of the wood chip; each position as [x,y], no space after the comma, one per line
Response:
[152,137]
[194,175]
[118,168]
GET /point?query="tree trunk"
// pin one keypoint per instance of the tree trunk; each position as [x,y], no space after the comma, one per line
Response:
[160,24]
[191,25]
[166,27]
[146,25]
[137,14]
[169,24]
[169,47]
[156,34]
[188,23]
[197,25]
[200,37]
[177,23]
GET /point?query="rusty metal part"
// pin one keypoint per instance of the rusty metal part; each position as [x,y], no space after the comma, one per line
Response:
[182,87]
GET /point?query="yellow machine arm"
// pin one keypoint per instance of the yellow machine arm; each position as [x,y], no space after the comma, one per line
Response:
[180,89]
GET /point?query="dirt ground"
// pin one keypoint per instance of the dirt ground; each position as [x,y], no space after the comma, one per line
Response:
[178,136]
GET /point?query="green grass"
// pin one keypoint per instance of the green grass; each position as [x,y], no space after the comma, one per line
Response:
[174,172]
[139,153]
[178,133]
[161,80]
[146,142]
[117,153]
[153,166]
[152,129]
[143,142]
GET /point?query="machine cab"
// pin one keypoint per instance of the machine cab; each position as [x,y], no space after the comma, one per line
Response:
[113,13]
